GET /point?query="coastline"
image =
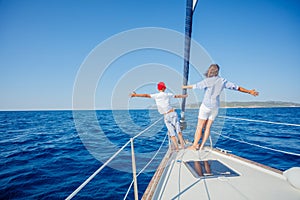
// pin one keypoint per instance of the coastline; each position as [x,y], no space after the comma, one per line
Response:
[252,104]
[233,104]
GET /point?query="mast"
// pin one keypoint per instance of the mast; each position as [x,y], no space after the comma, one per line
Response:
[190,7]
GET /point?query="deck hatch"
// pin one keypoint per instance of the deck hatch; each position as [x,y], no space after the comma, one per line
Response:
[209,169]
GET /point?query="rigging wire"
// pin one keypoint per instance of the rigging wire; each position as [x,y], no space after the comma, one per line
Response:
[142,170]
[261,121]
[96,172]
[227,137]
[252,144]
[260,146]
[107,162]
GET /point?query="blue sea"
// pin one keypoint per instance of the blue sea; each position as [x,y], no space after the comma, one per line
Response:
[48,154]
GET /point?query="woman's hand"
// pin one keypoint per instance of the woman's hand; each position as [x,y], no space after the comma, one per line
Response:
[187,87]
[253,92]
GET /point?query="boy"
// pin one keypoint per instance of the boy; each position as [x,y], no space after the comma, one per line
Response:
[162,100]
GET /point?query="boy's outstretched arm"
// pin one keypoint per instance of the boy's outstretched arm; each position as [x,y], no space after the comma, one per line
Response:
[181,96]
[140,95]
[252,92]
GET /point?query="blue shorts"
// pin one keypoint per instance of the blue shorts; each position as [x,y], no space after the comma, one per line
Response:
[172,123]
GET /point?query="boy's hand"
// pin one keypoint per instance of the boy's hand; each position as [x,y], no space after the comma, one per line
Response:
[132,94]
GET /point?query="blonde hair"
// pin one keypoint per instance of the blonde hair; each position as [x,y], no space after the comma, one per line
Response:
[212,71]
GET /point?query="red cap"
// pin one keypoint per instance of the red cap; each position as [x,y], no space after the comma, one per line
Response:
[161,86]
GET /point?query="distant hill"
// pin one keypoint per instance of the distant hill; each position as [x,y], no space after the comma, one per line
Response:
[251,104]
[239,104]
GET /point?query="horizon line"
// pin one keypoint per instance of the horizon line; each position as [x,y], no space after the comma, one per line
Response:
[153,107]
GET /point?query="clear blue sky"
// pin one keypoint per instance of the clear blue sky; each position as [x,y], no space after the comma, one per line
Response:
[44,43]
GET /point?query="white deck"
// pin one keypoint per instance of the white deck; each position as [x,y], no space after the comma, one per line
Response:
[255,182]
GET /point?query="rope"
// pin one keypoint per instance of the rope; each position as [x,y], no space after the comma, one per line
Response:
[261,121]
[107,162]
[263,147]
[142,170]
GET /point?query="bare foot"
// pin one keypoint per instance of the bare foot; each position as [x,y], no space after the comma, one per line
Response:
[194,148]
[175,149]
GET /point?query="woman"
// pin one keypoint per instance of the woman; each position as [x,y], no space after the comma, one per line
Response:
[213,85]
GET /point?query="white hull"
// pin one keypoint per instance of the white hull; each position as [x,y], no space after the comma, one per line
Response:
[174,180]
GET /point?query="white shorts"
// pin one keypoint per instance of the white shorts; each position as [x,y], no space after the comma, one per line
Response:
[207,113]
[172,123]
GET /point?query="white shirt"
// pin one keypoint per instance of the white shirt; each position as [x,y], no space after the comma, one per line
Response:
[162,100]
[213,87]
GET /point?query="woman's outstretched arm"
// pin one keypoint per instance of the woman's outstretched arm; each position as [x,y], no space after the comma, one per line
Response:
[187,87]
[252,92]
